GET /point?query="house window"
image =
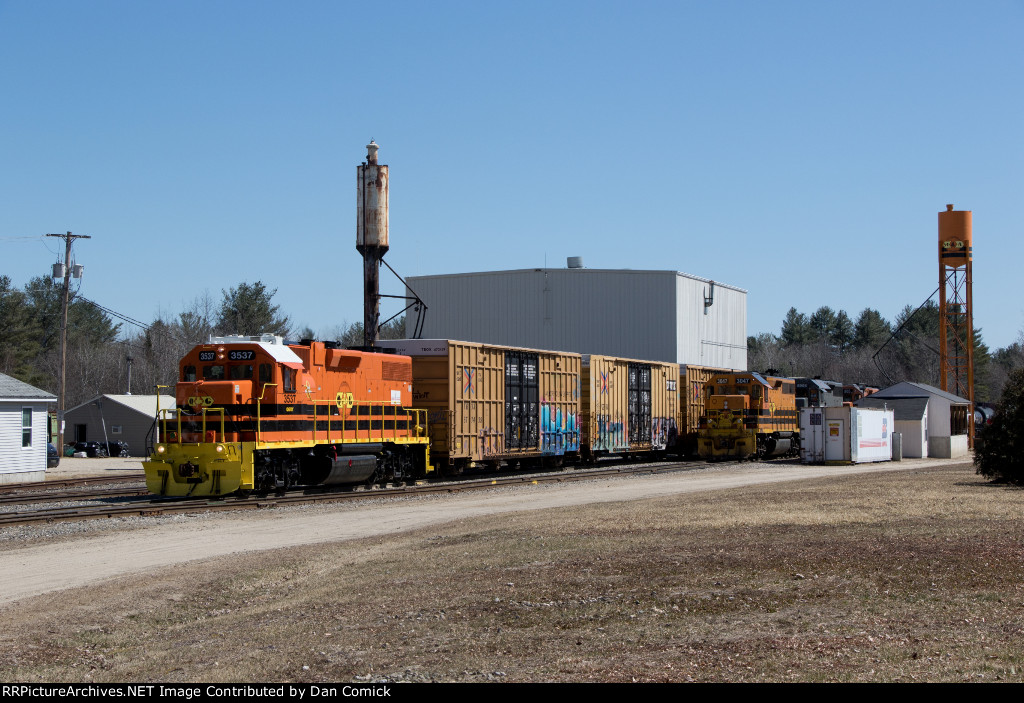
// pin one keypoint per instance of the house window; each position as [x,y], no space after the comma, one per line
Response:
[26,427]
[115,429]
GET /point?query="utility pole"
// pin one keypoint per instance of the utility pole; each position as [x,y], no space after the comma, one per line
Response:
[68,239]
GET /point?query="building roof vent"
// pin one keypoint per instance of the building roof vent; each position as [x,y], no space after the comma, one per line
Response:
[574,262]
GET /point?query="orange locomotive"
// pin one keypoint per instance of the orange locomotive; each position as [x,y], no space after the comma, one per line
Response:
[256,413]
[749,415]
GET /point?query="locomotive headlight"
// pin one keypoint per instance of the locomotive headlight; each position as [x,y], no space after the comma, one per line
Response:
[220,449]
[160,449]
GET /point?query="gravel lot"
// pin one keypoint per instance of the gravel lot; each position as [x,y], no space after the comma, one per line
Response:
[70,467]
[98,550]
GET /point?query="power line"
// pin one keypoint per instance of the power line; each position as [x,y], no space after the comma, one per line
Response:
[114,313]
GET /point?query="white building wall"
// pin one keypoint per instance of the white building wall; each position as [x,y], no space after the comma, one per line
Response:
[938,411]
[19,463]
[656,315]
[718,338]
[914,437]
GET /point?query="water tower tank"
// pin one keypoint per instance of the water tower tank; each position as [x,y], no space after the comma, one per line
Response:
[372,202]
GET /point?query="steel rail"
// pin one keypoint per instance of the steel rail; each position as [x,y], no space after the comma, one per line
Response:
[166,506]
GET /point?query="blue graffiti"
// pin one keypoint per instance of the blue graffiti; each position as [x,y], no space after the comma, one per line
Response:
[611,434]
[559,431]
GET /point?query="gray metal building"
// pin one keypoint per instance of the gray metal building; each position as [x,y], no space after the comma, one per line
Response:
[115,418]
[654,315]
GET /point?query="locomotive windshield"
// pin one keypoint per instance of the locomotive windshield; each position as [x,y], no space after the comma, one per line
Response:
[241,372]
[213,373]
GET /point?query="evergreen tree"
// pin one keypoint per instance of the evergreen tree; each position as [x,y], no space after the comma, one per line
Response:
[795,329]
[871,330]
[999,454]
[19,339]
[823,322]
[248,310]
[842,332]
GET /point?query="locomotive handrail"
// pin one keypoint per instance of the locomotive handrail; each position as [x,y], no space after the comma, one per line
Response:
[315,426]
[223,434]
[388,425]
[259,401]
[163,416]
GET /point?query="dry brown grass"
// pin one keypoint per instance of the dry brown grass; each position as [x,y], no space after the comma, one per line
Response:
[885,577]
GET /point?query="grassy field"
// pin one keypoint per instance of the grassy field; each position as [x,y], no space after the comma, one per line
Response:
[904,576]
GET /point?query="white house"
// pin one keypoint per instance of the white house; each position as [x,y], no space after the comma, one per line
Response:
[23,431]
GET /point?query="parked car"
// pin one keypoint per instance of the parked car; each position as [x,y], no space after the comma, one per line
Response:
[89,448]
[52,456]
[117,449]
[94,449]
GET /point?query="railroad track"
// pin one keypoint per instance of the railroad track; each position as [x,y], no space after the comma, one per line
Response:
[10,488]
[131,505]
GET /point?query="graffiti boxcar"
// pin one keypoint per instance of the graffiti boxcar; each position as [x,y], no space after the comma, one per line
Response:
[488,404]
[628,406]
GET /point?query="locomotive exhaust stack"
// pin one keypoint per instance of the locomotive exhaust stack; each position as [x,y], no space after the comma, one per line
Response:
[371,235]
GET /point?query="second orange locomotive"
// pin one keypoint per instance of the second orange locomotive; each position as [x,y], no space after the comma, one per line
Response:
[749,415]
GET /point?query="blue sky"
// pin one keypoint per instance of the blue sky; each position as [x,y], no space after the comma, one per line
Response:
[799,150]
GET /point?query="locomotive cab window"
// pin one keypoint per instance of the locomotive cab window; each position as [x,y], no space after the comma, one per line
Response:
[266,373]
[241,372]
[188,373]
[213,373]
[289,379]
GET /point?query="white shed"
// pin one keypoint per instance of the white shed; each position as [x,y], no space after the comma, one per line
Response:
[945,421]
[23,431]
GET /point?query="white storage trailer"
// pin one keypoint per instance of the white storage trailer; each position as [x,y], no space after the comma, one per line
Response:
[845,435]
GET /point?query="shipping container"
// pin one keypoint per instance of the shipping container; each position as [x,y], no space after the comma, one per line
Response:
[488,404]
[845,435]
[627,405]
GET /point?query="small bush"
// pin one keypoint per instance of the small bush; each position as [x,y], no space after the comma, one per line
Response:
[1000,454]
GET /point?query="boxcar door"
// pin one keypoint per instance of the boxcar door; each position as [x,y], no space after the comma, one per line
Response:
[513,401]
[522,401]
[639,404]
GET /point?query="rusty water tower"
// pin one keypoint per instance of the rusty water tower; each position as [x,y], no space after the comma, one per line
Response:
[371,235]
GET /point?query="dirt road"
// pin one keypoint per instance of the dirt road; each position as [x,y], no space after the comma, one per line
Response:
[36,569]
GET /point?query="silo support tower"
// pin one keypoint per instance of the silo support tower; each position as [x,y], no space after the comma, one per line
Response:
[371,235]
[956,313]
